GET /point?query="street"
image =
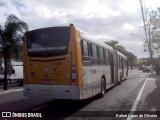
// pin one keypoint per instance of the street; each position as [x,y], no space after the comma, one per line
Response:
[119,98]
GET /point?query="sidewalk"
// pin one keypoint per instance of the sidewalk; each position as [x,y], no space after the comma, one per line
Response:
[154,76]
[150,98]
[12,86]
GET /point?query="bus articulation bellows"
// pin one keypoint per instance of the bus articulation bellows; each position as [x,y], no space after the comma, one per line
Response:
[67,63]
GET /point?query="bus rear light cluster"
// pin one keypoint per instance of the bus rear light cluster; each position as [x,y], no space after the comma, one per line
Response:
[74,73]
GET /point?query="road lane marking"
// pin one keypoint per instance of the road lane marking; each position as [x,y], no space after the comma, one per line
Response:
[134,107]
[9,91]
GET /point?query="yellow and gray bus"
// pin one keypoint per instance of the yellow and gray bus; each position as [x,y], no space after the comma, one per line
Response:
[67,63]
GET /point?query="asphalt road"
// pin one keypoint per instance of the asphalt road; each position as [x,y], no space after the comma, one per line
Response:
[120,98]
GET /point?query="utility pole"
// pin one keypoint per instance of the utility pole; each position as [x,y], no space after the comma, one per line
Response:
[150,48]
[149,35]
[140,1]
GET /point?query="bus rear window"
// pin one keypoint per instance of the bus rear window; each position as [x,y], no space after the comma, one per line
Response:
[48,41]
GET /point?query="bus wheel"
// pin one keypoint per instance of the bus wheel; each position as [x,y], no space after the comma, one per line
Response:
[103,87]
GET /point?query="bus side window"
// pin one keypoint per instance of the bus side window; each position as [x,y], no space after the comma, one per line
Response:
[122,62]
[98,51]
[94,58]
[104,56]
[101,60]
[107,57]
[98,54]
[85,48]
[94,51]
[85,52]
[107,54]
[101,52]
[110,57]
[119,61]
[91,50]
[82,51]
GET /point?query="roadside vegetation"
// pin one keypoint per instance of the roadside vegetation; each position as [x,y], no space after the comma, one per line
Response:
[11,41]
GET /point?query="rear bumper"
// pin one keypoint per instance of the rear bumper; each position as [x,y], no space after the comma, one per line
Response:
[52,91]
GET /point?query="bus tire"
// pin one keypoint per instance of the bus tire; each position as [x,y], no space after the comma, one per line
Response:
[103,87]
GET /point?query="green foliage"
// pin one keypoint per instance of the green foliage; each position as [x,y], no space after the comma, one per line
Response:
[112,43]
[131,57]
[154,21]
[10,38]
[11,33]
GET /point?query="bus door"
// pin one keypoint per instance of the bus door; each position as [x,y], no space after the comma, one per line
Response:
[122,61]
[111,62]
[115,62]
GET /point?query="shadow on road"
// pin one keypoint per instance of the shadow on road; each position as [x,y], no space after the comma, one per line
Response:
[151,102]
[64,108]
[50,108]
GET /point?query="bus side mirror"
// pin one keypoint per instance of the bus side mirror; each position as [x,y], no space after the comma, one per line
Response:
[13,71]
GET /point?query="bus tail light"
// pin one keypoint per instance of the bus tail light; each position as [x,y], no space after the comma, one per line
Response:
[74,73]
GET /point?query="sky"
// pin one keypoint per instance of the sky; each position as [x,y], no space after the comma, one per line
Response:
[103,19]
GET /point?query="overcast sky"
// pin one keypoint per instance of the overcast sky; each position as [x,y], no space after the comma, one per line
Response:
[104,19]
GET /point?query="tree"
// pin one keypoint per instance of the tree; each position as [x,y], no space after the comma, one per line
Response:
[131,57]
[154,22]
[112,43]
[11,33]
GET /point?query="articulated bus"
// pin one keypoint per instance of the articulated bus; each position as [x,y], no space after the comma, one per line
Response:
[67,63]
